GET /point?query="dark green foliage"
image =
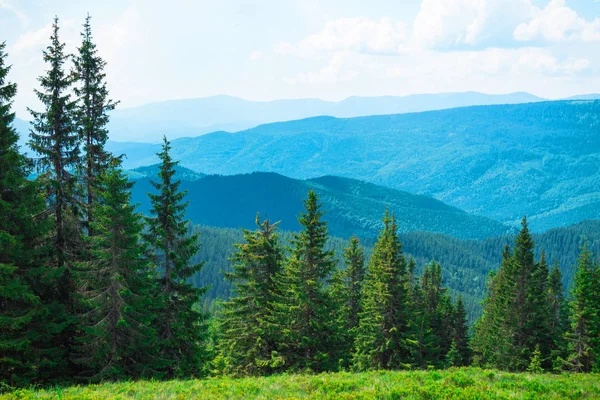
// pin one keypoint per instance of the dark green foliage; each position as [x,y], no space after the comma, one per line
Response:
[346,293]
[559,315]
[247,344]
[303,307]
[55,140]
[583,336]
[381,341]
[91,114]
[21,311]
[517,317]
[181,327]
[460,334]
[116,288]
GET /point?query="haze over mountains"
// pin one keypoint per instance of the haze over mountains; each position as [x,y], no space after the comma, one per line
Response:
[193,117]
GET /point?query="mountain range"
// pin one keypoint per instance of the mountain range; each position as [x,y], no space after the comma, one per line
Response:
[503,162]
[353,207]
[193,117]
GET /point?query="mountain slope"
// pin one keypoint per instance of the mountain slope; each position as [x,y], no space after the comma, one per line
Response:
[353,207]
[193,117]
[466,263]
[539,159]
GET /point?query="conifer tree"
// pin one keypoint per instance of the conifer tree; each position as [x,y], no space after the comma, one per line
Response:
[91,114]
[181,327]
[346,293]
[247,346]
[559,317]
[21,311]
[303,307]
[117,338]
[461,333]
[55,140]
[381,341]
[583,337]
[493,337]
[517,312]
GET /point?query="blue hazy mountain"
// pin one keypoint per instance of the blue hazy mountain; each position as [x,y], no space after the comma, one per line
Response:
[540,159]
[193,117]
[353,207]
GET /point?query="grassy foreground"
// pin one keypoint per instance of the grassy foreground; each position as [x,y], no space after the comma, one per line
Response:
[464,383]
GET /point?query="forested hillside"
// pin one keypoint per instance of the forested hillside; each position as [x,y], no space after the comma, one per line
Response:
[539,159]
[354,207]
[466,263]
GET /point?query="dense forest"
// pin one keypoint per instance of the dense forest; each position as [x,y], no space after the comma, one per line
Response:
[92,290]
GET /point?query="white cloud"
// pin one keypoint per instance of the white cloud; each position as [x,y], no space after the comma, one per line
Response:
[256,55]
[558,23]
[23,19]
[361,35]
[334,71]
[124,32]
[33,39]
[463,23]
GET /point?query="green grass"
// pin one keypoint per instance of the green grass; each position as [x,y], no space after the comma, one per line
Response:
[465,383]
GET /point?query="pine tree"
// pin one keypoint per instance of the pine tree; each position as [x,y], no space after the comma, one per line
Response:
[247,346]
[346,293]
[91,115]
[583,337]
[55,140]
[354,276]
[517,312]
[303,307]
[461,333]
[117,339]
[182,328]
[21,311]
[493,337]
[559,315]
[381,341]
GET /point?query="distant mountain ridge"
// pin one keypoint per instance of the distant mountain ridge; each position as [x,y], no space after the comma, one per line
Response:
[193,117]
[540,159]
[353,207]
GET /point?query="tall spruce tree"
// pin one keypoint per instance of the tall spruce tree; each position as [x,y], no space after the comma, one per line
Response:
[54,138]
[181,326]
[516,317]
[303,307]
[91,115]
[381,341]
[346,293]
[21,311]
[559,315]
[493,337]
[583,337]
[460,334]
[117,339]
[247,345]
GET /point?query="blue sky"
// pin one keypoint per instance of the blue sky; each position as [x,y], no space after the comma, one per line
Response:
[330,49]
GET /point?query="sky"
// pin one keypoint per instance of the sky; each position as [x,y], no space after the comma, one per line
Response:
[328,49]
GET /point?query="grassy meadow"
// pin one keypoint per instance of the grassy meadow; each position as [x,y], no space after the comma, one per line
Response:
[462,383]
